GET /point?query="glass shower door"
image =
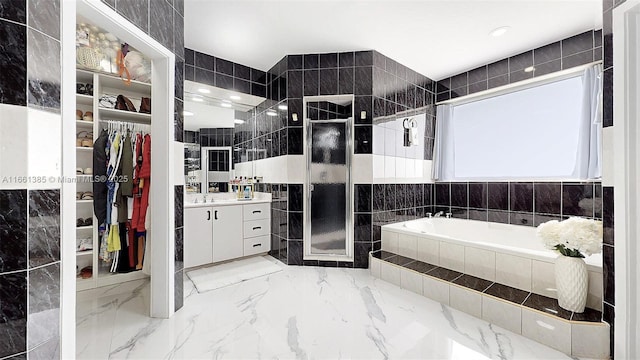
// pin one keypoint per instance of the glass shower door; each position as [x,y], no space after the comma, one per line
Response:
[328,188]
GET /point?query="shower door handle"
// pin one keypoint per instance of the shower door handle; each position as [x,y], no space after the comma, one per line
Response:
[310,187]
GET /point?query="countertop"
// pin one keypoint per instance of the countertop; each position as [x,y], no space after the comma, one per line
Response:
[224,199]
[225,203]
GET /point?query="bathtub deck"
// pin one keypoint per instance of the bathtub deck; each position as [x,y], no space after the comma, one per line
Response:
[532,315]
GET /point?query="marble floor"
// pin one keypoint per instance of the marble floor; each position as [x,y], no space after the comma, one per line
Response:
[298,313]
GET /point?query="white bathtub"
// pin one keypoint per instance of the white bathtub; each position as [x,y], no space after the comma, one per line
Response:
[508,254]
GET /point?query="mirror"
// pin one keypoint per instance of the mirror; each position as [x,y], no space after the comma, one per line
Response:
[211,119]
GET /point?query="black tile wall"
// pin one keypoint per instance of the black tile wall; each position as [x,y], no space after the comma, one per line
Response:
[605,39]
[13,292]
[13,230]
[574,51]
[224,74]
[13,59]
[519,203]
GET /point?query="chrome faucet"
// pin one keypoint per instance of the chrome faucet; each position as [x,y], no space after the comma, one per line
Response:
[448,215]
[429,215]
[438,214]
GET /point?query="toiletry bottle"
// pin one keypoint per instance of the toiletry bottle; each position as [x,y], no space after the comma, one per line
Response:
[247,192]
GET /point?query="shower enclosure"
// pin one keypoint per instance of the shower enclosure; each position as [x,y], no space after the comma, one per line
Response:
[328,188]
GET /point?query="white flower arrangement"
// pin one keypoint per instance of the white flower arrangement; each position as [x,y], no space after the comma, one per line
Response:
[574,237]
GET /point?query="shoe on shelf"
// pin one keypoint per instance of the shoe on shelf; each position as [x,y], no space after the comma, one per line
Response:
[85,244]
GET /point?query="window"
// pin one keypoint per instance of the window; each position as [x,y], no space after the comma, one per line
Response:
[549,131]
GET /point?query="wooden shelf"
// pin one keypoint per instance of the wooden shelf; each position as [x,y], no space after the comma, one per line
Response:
[85,252]
[90,201]
[84,148]
[84,99]
[114,114]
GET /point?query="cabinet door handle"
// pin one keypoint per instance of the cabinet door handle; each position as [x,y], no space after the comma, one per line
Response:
[208,215]
[215,215]
[257,227]
[257,245]
[257,211]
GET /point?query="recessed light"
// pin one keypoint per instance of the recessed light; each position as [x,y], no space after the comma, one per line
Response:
[238,121]
[197,99]
[272,113]
[499,31]
[235,97]
[187,113]
[282,107]
[227,105]
[226,101]
[529,69]
[204,91]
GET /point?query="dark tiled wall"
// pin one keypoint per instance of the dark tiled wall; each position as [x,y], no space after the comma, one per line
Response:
[608,191]
[30,219]
[399,91]
[574,51]
[393,203]
[324,110]
[206,69]
[29,251]
[163,20]
[216,137]
[373,79]
[191,137]
[519,203]
[296,76]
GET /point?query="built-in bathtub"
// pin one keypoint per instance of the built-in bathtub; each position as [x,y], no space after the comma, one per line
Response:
[497,272]
[507,254]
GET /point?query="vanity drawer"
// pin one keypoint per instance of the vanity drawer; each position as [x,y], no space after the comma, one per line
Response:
[256,211]
[257,245]
[256,228]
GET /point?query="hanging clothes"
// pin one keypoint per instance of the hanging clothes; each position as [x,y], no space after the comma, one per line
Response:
[126,182]
[125,163]
[100,174]
[141,203]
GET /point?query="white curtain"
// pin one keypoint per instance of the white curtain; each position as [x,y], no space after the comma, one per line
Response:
[587,147]
[589,158]
[443,150]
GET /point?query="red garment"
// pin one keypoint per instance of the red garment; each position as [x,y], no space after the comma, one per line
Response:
[132,245]
[142,182]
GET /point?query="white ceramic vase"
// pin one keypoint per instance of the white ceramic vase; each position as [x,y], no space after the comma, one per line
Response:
[572,281]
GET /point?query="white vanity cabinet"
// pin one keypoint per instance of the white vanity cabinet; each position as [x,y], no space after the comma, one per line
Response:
[198,232]
[227,232]
[257,228]
[224,232]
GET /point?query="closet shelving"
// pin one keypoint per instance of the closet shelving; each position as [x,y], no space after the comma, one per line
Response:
[113,85]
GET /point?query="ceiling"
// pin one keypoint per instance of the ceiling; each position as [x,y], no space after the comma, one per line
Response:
[434,37]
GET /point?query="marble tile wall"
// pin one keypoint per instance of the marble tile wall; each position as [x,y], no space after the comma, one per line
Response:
[29,216]
[519,203]
[210,70]
[564,54]
[608,191]
[400,92]
[163,20]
